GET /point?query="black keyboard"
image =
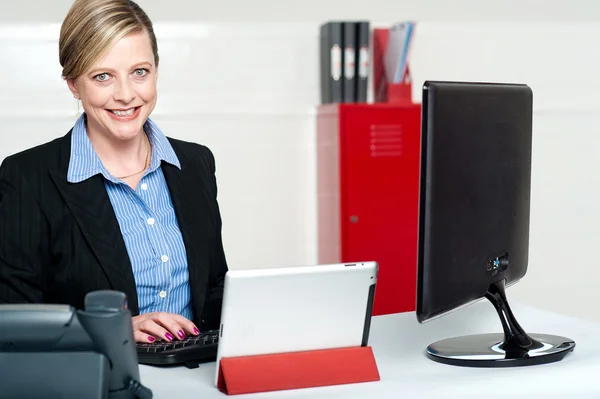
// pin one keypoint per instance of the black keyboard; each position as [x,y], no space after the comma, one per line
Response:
[189,351]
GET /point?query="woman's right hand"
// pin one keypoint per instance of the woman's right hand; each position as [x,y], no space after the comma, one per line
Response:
[149,327]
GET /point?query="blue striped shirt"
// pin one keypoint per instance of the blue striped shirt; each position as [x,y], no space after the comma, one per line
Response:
[147,220]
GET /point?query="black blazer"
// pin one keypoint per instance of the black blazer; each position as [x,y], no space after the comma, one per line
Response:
[59,241]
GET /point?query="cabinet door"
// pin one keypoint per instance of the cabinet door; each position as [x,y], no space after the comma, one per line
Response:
[380,179]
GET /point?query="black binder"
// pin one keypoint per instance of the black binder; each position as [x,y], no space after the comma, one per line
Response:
[331,60]
[350,62]
[363,56]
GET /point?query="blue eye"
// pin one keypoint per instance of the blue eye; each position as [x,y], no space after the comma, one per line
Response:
[141,72]
[101,77]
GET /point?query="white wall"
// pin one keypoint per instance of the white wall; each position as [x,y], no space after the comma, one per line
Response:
[315,10]
[242,78]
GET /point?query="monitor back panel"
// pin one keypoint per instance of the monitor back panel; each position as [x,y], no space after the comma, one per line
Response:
[296,309]
[475,190]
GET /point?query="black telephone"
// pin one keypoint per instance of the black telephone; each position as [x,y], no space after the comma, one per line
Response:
[49,351]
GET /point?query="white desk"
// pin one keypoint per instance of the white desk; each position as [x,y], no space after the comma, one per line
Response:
[399,342]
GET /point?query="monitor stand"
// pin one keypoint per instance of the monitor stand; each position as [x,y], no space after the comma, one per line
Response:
[513,348]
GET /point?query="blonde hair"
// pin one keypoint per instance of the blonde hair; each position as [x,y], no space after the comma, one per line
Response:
[92,27]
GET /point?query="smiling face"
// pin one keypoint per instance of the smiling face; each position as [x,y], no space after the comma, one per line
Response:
[118,92]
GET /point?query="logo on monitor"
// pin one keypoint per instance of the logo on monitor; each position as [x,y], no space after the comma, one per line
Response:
[497,264]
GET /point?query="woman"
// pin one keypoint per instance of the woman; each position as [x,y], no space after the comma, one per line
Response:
[114,204]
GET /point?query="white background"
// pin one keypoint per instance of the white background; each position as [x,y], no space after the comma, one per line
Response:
[242,77]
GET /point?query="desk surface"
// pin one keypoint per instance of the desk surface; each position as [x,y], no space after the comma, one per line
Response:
[399,342]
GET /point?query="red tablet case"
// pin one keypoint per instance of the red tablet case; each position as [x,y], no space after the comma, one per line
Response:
[305,369]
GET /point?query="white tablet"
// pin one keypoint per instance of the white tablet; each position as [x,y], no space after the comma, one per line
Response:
[296,309]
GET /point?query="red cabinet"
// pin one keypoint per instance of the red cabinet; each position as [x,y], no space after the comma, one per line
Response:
[368,181]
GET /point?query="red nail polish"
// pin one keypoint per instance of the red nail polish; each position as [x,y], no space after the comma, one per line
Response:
[196,330]
[169,336]
[181,334]
[151,339]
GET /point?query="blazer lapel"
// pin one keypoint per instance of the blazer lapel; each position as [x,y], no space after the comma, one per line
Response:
[192,207]
[89,203]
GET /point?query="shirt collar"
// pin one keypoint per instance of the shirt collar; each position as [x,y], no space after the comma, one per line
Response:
[85,163]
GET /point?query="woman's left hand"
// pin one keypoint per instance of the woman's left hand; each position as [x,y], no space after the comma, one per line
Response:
[148,327]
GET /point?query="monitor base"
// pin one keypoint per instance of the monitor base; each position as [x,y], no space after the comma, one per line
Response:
[513,348]
[484,350]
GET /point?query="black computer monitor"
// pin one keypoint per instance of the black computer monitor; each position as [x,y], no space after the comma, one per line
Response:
[474,207]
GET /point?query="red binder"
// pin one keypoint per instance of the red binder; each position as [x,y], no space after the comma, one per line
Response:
[387,92]
[305,369]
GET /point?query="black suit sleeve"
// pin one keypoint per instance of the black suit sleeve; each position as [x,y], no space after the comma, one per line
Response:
[214,298]
[22,228]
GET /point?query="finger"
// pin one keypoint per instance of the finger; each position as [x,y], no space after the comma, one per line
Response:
[136,320]
[151,327]
[168,321]
[140,336]
[187,324]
